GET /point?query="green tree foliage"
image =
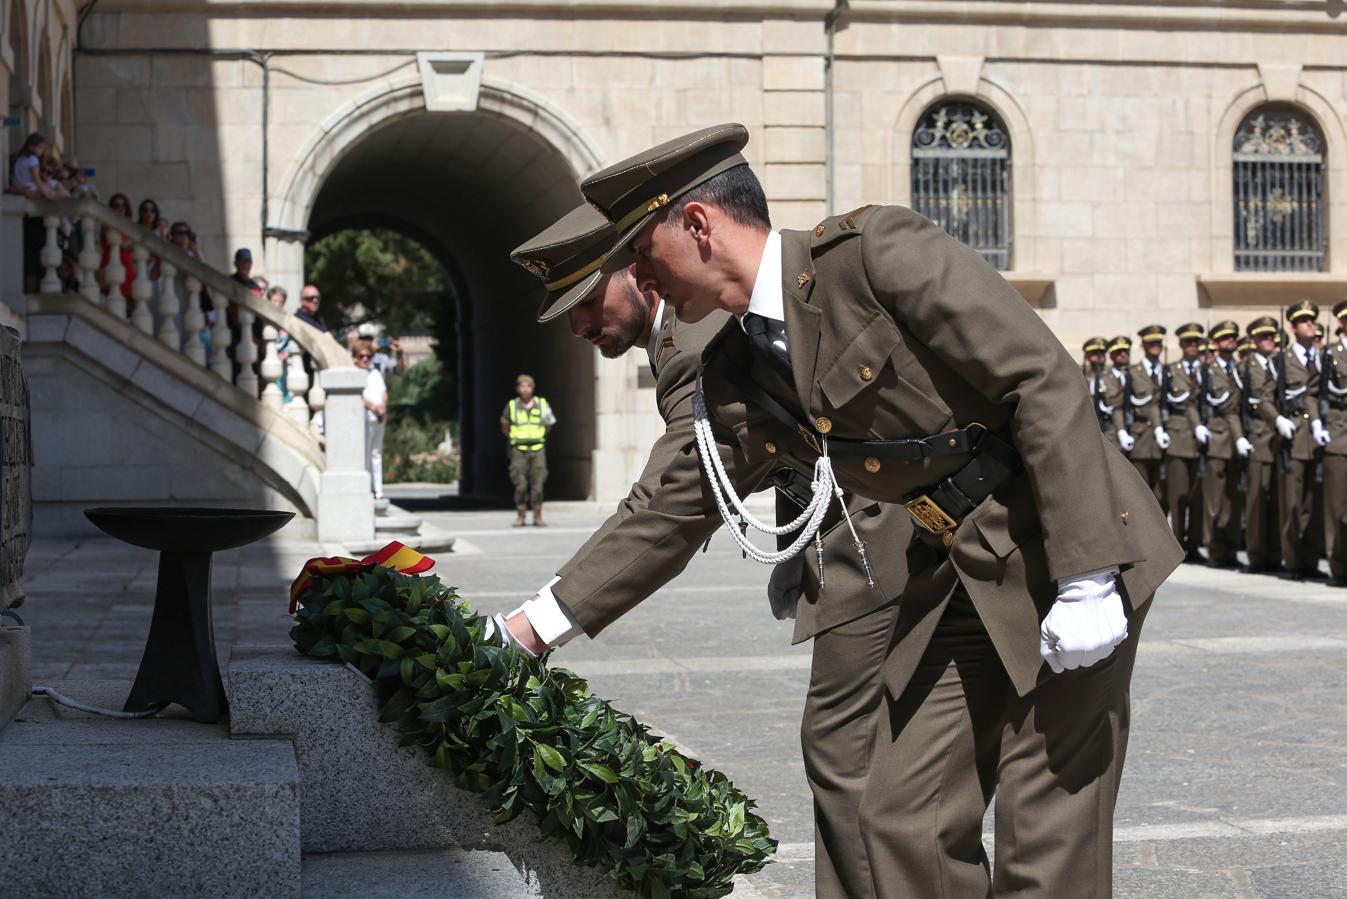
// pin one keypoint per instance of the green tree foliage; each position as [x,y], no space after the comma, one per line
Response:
[534,739]
[380,275]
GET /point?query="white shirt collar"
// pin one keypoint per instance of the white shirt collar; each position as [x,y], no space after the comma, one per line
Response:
[766,299]
[1303,353]
[1262,360]
[655,327]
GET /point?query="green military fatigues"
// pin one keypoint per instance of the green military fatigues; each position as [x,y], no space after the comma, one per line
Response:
[528,453]
[897,331]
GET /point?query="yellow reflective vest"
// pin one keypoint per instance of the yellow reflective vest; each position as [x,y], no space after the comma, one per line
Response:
[528,427]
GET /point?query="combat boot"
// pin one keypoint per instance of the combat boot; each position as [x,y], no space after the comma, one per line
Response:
[538,517]
[519,521]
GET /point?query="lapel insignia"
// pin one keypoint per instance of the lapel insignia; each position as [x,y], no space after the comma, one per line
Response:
[1124,517]
[803,279]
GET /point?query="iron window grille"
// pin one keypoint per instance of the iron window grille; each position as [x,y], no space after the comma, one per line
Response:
[1279,193]
[961,177]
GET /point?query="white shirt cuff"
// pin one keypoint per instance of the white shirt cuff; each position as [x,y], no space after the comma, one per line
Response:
[551,621]
[1090,585]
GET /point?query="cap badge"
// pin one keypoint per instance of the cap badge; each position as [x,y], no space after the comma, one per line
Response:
[539,268]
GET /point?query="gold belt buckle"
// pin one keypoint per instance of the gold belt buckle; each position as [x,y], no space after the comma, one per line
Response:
[810,439]
[931,516]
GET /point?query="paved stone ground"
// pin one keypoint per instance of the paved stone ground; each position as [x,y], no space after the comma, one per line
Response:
[1236,783]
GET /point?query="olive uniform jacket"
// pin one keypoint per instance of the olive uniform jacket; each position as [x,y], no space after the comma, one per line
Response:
[675,356]
[1335,396]
[1261,384]
[1181,399]
[896,330]
[1302,397]
[1144,396]
[1224,399]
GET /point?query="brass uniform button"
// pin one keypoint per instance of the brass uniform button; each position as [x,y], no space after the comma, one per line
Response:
[871,464]
[866,373]
[818,232]
[953,441]
[822,425]
[771,447]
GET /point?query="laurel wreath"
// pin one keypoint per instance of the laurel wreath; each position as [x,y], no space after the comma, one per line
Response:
[530,737]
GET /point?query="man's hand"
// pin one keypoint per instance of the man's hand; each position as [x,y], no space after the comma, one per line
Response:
[1321,434]
[1203,434]
[1126,441]
[1085,623]
[1286,427]
[1162,438]
[1244,447]
[521,631]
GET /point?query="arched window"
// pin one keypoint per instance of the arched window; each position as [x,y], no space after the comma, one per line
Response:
[961,176]
[1279,192]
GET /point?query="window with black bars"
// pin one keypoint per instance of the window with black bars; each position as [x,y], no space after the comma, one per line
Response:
[961,177]
[1279,192]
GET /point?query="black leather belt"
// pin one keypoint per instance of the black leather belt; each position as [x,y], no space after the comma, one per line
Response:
[1337,404]
[941,508]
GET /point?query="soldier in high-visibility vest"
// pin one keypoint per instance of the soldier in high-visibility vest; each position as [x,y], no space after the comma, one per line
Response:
[525,422]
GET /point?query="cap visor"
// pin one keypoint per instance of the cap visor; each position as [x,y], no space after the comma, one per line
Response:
[561,301]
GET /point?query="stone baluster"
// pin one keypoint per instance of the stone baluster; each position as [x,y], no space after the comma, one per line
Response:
[346,504]
[219,338]
[271,370]
[245,352]
[142,288]
[50,256]
[89,259]
[297,383]
[114,273]
[193,322]
[317,402]
[169,306]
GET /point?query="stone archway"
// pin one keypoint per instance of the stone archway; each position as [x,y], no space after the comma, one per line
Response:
[471,186]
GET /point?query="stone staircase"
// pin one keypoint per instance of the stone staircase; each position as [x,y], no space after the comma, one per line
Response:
[303,793]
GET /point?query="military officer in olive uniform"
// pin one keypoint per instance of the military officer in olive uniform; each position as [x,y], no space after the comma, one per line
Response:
[1335,453]
[1102,389]
[1188,437]
[1262,537]
[1299,369]
[1117,393]
[849,620]
[877,349]
[1223,396]
[1146,389]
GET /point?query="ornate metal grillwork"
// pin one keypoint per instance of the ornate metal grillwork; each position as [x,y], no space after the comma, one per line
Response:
[961,177]
[1279,193]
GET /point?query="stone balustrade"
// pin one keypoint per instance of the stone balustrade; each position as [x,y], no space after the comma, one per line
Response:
[180,302]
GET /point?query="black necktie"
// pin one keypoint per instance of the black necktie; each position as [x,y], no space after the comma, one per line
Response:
[1155,376]
[768,338]
[1310,365]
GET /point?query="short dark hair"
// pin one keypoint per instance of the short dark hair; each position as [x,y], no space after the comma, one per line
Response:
[736,191]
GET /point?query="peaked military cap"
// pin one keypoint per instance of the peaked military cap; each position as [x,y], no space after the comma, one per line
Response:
[1303,309]
[567,258]
[1264,325]
[1190,331]
[1319,330]
[1223,329]
[1119,343]
[1095,345]
[1340,309]
[1245,346]
[628,193]
[1152,333]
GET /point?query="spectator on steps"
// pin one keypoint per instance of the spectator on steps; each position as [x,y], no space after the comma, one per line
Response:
[376,415]
[120,204]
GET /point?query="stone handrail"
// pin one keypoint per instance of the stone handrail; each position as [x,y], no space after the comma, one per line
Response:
[322,348]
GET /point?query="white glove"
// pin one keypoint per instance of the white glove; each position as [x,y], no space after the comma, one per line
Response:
[1286,427]
[1085,623]
[1126,441]
[1244,447]
[498,629]
[1162,438]
[1203,434]
[1321,435]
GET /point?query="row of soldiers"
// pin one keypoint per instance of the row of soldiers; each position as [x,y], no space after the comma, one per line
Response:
[1240,437]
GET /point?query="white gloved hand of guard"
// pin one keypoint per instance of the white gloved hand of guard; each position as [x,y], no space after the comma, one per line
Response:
[497,629]
[1085,623]
[1244,447]
[1203,434]
[1286,427]
[1126,441]
[1321,435]
[1162,438]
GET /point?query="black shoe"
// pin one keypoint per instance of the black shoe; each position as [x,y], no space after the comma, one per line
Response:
[1292,576]
[1337,581]
[1253,569]
[1222,563]
[1194,557]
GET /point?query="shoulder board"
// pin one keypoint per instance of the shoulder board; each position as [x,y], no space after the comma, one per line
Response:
[839,227]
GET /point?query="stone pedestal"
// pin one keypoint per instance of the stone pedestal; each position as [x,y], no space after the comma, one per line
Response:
[345,497]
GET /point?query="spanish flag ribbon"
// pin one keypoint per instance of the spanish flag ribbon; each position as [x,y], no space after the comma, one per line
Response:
[395,555]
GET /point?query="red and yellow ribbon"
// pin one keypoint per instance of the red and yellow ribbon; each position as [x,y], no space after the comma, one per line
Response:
[395,555]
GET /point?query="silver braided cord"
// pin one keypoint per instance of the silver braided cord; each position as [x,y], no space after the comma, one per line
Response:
[824,488]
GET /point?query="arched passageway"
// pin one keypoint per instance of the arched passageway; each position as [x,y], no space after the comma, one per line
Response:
[471,187]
